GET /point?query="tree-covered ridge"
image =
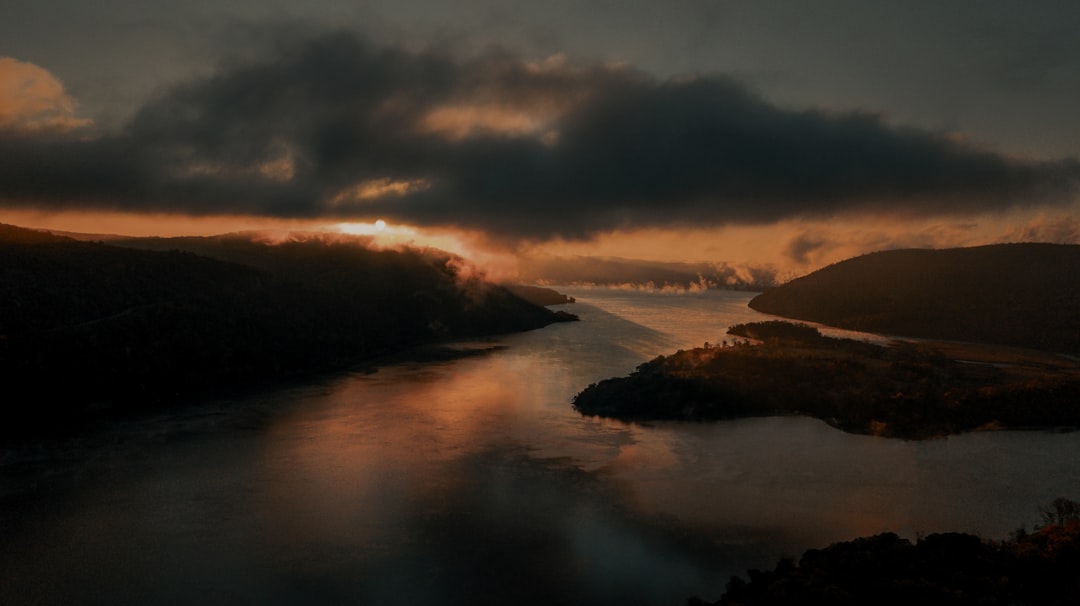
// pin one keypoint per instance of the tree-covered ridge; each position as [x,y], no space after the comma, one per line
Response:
[1024,295]
[85,325]
[1039,568]
[903,390]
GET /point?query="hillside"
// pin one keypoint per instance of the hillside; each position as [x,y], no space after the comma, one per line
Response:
[89,326]
[1024,295]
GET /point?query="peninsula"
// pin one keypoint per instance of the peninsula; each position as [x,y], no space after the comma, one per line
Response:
[905,390]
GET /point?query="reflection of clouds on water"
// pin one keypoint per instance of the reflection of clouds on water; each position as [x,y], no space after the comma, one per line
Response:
[517,529]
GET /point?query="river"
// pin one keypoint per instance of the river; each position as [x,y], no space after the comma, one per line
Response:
[472,481]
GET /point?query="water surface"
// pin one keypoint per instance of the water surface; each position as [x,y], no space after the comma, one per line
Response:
[474,482]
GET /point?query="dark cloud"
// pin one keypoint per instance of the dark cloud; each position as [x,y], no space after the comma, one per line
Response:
[802,246]
[337,127]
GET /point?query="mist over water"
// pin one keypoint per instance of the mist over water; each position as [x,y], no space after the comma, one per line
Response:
[474,482]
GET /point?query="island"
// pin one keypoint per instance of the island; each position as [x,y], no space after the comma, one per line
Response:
[908,390]
[93,329]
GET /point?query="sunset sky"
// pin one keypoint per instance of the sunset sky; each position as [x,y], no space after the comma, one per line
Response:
[787,133]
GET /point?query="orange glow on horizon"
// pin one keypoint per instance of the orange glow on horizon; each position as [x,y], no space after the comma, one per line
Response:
[152,224]
[799,246]
[793,247]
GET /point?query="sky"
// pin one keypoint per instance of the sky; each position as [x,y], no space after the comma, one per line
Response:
[790,134]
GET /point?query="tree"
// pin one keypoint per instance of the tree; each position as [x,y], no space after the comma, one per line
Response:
[1061,512]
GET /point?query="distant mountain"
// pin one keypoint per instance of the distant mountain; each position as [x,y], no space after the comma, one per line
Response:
[1025,295]
[638,272]
[89,325]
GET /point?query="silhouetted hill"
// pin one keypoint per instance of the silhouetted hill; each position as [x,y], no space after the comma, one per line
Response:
[1025,295]
[344,262]
[89,325]
[439,286]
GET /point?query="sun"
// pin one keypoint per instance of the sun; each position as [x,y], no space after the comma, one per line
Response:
[366,229]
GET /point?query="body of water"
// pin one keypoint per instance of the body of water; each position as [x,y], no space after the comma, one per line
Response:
[474,482]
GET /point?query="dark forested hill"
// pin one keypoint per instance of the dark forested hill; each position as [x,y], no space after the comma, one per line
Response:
[1025,295]
[433,291]
[88,325]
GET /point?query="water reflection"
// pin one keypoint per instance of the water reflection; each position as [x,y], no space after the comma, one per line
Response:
[473,481]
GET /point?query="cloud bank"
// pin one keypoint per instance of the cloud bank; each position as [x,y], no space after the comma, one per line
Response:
[336,127]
